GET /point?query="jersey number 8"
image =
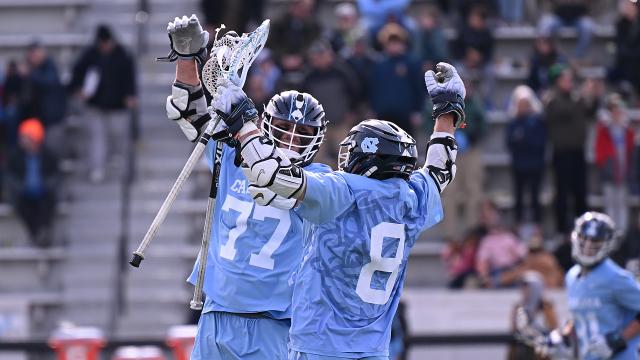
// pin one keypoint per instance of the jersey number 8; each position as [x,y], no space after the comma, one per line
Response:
[379,263]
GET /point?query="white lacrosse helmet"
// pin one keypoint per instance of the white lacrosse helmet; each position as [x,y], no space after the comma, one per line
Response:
[593,238]
[295,122]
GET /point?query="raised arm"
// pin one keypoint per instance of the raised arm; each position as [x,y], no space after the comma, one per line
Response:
[187,105]
[447,95]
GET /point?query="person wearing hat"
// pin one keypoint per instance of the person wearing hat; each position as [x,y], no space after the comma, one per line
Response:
[348,28]
[33,179]
[332,82]
[396,92]
[613,151]
[104,77]
[567,116]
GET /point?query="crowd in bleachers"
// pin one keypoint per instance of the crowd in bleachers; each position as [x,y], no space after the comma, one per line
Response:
[33,106]
[368,61]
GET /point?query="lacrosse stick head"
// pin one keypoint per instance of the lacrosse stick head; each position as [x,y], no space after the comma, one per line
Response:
[232,56]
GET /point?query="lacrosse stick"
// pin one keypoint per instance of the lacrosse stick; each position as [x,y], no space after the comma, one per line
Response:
[231,57]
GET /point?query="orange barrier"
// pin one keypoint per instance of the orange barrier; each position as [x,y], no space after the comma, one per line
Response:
[77,343]
[180,339]
[138,353]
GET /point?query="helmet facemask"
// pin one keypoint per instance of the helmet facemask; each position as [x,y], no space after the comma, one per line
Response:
[344,151]
[590,245]
[298,142]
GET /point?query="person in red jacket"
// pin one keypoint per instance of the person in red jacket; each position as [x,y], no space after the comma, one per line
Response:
[614,148]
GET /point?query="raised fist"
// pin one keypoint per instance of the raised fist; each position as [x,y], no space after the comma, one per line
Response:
[447,92]
[188,40]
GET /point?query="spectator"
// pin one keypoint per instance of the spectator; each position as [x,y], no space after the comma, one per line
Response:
[628,253]
[499,251]
[545,54]
[613,151]
[256,89]
[336,86]
[466,193]
[33,179]
[459,258]
[264,76]
[474,51]
[511,11]
[236,15]
[292,34]
[362,60]
[526,138]
[46,98]
[13,101]
[628,45]
[104,76]
[431,44]
[539,310]
[563,254]
[348,28]
[396,86]
[538,259]
[3,137]
[377,13]
[567,116]
[475,42]
[570,13]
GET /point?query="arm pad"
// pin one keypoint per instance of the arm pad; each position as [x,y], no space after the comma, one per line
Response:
[441,159]
[268,167]
[187,106]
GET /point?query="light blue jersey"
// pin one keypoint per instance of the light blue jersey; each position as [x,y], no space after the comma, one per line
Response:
[604,300]
[359,232]
[253,249]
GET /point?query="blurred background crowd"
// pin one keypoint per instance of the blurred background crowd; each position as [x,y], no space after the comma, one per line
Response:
[552,99]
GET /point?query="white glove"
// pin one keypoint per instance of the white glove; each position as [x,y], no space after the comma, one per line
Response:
[188,40]
[264,196]
[227,95]
[599,347]
[233,106]
[187,106]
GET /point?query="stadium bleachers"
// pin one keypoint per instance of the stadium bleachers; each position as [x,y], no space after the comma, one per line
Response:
[77,282]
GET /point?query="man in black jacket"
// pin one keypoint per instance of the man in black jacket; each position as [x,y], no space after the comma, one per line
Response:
[104,76]
[567,115]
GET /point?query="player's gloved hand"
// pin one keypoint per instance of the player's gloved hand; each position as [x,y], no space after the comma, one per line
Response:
[187,106]
[553,343]
[233,106]
[188,40]
[264,196]
[605,347]
[447,92]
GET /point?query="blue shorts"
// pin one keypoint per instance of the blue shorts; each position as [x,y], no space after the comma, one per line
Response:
[295,355]
[227,336]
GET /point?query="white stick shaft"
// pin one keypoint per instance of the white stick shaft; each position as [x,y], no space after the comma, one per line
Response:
[176,188]
[171,197]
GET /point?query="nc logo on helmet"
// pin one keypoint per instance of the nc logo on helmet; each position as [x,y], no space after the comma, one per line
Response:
[369,145]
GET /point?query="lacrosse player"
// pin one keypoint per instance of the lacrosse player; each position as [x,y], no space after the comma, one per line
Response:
[254,245]
[360,222]
[604,301]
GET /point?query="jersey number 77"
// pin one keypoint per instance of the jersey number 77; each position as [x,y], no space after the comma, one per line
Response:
[262,259]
